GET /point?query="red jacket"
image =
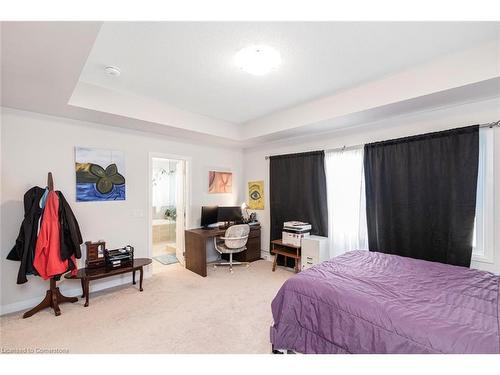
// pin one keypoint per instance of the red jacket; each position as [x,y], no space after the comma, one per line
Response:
[48,261]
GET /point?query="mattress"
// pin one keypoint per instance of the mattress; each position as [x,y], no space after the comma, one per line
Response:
[369,302]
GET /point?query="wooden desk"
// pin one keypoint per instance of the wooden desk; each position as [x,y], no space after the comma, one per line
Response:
[288,251]
[196,247]
[88,274]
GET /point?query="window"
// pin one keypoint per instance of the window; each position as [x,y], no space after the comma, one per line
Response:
[347,216]
[483,230]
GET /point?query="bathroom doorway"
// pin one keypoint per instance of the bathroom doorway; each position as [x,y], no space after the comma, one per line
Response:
[168,211]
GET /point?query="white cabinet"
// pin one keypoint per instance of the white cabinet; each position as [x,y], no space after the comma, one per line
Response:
[314,251]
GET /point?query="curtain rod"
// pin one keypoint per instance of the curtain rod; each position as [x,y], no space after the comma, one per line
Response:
[485,125]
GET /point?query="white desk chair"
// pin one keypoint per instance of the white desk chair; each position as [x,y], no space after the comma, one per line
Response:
[233,241]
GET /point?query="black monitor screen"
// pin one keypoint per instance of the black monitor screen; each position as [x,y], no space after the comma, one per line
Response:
[209,215]
[230,213]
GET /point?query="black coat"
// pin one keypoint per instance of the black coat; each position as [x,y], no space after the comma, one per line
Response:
[24,249]
[71,238]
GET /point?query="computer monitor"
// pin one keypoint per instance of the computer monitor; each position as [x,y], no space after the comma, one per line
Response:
[230,213]
[209,215]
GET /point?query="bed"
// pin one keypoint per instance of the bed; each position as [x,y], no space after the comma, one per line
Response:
[369,302]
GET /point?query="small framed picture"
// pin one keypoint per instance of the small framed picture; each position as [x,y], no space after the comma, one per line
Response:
[220,182]
[100,251]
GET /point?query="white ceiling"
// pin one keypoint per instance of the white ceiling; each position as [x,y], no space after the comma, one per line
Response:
[190,64]
[178,79]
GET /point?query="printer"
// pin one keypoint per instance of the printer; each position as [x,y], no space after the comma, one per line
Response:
[294,231]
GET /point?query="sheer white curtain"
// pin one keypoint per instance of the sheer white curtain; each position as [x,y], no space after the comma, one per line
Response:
[482,240]
[164,173]
[347,228]
[161,193]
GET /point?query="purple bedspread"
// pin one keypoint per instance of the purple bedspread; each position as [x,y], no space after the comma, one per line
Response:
[368,302]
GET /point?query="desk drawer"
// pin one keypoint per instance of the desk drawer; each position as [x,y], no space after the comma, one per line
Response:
[254,233]
[252,252]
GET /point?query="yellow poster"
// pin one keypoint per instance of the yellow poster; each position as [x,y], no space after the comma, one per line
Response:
[256,195]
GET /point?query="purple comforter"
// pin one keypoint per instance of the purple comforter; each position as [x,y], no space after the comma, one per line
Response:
[368,302]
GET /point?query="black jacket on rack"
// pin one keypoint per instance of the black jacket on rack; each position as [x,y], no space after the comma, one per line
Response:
[24,249]
[71,238]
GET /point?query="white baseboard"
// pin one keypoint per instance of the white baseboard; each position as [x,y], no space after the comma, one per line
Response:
[266,255]
[74,291]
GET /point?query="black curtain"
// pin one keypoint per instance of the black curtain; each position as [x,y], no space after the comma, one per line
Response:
[297,190]
[421,195]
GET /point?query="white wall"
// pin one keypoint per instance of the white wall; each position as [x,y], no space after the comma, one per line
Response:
[34,144]
[257,168]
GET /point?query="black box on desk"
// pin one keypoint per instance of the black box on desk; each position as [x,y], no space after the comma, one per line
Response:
[119,257]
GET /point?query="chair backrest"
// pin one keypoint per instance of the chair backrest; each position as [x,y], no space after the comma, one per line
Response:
[240,230]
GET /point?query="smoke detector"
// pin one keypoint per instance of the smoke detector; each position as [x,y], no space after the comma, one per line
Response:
[112,71]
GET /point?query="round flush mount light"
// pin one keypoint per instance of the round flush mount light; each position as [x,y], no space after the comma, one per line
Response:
[257,59]
[112,71]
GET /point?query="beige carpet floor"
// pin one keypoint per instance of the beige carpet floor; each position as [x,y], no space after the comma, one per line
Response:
[178,312]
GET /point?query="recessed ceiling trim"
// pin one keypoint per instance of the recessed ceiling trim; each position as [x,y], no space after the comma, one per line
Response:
[456,70]
[101,99]
[50,48]
[190,65]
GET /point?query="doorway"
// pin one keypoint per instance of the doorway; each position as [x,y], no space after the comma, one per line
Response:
[168,187]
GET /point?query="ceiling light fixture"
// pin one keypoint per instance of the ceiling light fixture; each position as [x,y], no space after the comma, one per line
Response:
[112,71]
[257,59]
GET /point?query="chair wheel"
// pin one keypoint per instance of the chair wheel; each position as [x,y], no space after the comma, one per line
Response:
[231,271]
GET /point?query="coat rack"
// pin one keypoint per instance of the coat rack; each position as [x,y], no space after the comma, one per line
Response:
[53,297]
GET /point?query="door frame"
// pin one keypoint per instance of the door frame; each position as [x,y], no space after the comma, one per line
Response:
[187,187]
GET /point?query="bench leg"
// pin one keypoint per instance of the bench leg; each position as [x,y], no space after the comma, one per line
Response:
[87,291]
[133,277]
[83,287]
[274,262]
[141,274]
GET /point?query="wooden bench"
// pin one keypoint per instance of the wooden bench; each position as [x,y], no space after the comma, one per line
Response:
[88,274]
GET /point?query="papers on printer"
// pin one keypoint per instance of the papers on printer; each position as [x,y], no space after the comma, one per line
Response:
[297,226]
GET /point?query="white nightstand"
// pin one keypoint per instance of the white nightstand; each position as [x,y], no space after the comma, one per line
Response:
[314,251]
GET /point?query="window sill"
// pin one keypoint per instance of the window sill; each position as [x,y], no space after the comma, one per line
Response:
[482,259]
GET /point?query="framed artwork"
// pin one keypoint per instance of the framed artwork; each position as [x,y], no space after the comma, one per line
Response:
[99,175]
[220,182]
[256,195]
